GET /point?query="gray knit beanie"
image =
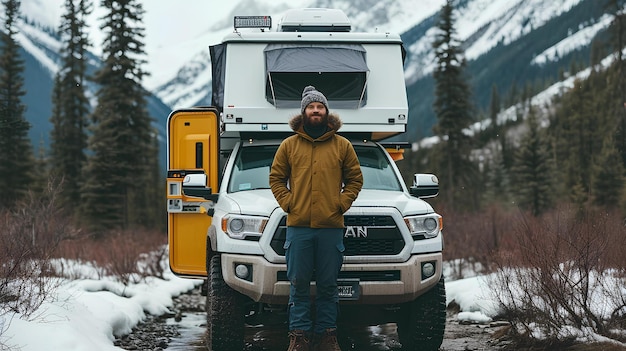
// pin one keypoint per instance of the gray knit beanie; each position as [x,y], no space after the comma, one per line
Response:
[309,95]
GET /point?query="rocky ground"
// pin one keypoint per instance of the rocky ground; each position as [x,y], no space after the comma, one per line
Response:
[157,332]
[169,332]
[473,336]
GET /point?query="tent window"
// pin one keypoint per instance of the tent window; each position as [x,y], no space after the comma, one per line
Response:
[338,71]
[218,67]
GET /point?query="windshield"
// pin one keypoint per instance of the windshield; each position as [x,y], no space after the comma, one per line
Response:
[252,168]
[377,172]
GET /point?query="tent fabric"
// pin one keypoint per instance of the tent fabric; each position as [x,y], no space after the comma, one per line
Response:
[315,58]
[338,70]
[218,69]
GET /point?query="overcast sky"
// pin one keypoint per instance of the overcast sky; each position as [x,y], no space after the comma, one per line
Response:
[167,22]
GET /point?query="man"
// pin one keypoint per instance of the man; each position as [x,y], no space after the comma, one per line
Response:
[315,178]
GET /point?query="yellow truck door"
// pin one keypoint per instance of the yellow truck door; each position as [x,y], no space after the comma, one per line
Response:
[192,178]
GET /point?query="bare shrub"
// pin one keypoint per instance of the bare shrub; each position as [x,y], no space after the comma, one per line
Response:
[471,238]
[38,242]
[155,262]
[29,235]
[567,270]
[129,255]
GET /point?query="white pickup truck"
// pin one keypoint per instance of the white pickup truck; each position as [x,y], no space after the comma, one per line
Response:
[223,221]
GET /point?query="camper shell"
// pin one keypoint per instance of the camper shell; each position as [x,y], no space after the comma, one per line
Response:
[224,224]
[258,78]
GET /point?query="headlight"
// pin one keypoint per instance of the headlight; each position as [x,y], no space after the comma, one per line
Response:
[427,226]
[239,227]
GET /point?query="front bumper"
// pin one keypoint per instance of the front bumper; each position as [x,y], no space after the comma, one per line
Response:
[267,283]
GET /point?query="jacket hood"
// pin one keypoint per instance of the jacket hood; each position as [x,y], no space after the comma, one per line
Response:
[297,122]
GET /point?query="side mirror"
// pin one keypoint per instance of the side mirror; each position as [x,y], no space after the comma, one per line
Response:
[195,185]
[195,179]
[424,186]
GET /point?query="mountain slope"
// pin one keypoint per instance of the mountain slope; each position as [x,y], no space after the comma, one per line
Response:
[508,43]
[41,61]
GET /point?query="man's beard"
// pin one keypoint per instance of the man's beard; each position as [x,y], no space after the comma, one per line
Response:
[315,124]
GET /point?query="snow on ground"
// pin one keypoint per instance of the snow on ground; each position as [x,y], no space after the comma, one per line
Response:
[473,297]
[87,314]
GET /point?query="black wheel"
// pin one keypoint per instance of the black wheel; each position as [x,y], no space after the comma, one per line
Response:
[423,320]
[205,287]
[225,311]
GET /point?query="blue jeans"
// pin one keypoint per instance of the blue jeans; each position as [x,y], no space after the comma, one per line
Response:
[310,250]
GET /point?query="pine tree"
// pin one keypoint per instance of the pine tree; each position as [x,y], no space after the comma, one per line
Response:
[17,164]
[42,176]
[618,31]
[608,182]
[70,103]
[119,188]
[454,110]
[532,170]
[497,187]
[494,108]
[597,53]
[579,196]
[513,95]
[581,124]
[618,41]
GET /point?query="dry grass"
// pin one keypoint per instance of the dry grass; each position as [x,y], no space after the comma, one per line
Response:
[476,236]
[29,235]
[559,345]
[38,230]
[551,270]
[129,255]
[562,267]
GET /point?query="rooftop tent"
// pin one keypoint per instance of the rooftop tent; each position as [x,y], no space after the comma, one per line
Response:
[339,71]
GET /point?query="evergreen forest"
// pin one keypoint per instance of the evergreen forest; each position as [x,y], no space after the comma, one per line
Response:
[104,159]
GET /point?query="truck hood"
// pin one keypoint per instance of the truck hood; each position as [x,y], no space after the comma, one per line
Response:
[262,202]
[403,202]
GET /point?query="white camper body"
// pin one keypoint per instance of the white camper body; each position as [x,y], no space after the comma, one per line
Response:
[261,74]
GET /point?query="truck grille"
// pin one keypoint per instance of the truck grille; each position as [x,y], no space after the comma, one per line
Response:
[363,236]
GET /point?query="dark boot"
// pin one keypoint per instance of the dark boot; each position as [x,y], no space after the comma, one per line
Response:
[327,341]
[298,341]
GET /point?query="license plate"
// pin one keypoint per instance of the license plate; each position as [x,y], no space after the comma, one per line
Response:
[348,289]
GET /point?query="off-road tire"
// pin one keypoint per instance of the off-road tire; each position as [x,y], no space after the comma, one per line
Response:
[423,321]
[225,312]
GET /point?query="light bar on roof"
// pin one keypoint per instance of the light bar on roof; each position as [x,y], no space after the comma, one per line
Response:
[253,22]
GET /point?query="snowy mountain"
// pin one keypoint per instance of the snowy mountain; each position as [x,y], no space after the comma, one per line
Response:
[507,43]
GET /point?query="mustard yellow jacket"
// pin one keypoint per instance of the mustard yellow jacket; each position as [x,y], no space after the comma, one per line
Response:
[315,180]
